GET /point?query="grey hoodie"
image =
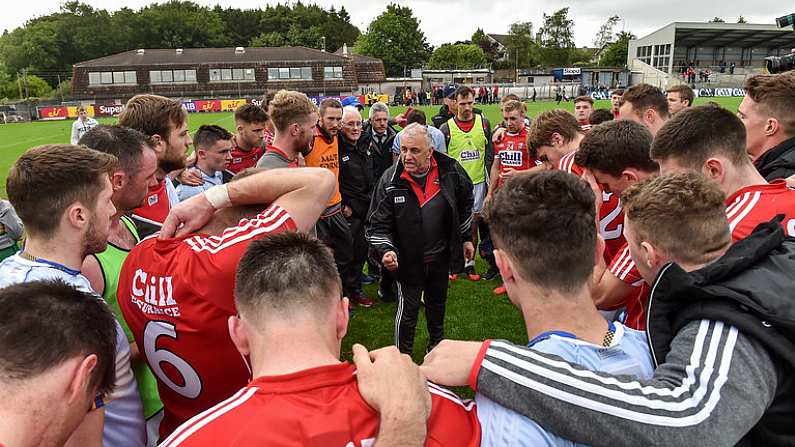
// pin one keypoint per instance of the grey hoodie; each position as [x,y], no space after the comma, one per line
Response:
[10,225]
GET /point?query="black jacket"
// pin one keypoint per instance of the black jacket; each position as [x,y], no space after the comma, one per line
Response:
[778,162]
[394,222]
[380,154]
[752,287]
[356,176]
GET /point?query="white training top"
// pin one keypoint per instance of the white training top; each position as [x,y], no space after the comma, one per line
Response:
[124,412]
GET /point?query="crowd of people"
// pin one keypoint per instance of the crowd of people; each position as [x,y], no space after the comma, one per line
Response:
[647,247]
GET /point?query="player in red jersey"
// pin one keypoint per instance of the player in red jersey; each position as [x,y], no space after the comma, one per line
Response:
[583,108]
[616,154]
[291,323]
[645,104]
[710,140]
[615,103]
[176,292]
[250,122]
[166,123]
[511,153]
[556,136]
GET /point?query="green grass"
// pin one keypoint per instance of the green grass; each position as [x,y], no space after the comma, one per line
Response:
[473,312]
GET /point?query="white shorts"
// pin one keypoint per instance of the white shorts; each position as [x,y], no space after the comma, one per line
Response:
[479,192]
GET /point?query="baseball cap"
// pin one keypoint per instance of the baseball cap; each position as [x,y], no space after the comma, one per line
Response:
[449,91]
[352,101]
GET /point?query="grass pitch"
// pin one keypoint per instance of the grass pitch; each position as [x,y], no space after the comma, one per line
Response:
[473,312]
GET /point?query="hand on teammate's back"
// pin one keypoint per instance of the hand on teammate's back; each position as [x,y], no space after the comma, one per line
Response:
[450,362]
[187,217]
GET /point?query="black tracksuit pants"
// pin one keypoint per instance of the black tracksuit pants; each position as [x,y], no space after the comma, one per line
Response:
[360,246]
[335,232]
[434,284]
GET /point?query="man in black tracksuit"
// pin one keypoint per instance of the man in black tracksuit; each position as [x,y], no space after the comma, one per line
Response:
[356,182]
[420,227]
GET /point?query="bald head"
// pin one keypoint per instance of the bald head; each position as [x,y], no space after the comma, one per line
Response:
[351,123]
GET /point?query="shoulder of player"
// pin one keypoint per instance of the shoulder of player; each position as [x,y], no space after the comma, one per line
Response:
[271,220]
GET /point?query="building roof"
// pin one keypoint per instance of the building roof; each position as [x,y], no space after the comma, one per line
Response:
[357,58]
[212,56]
[745,35]
[501,39]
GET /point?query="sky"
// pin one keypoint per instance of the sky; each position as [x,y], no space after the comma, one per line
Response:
[445,21]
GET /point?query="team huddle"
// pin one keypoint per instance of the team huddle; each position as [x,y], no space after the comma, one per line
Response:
[647,248]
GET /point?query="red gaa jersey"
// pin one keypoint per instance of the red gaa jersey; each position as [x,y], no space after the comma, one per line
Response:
[150,216]
[316,407]
[176,296]
[513,153]
[753,205]
[244,159]
[745,209]
[611,213]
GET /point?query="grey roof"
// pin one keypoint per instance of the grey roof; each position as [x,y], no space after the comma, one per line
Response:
[213,56]
[358,58]
[745,35]
[501,39]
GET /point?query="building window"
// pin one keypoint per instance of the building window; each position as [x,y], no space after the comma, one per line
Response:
[112,78]
[231,74]
[332,72]
[172,76]
[291,73]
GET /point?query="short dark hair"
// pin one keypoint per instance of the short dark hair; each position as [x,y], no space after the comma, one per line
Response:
[416,116]
[329,103]
[285,273]
[644,97]
[683,214]
[618,91]
[685,92]
[45,323]
[775,93]
[614,146]
[153,115]
[526,219]
[251,113]
[124,143]
[583,98]
[695,134]
[600,116]
[208,134]
[463,92]
[45,180]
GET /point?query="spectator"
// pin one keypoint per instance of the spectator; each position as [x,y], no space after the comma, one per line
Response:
[425,196]
[213,146]
[82,124]
[57,361]
[11,229]
[766,112]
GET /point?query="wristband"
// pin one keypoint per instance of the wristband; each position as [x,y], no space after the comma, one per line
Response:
[218,196]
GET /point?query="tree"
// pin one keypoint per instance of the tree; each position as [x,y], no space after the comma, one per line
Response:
[605,34]
[615,55]
[395,37]
[557,38]
[458,56]
[180,24]
[305,25]
[520,46]
[717,20]
[488,46]
[741,19]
